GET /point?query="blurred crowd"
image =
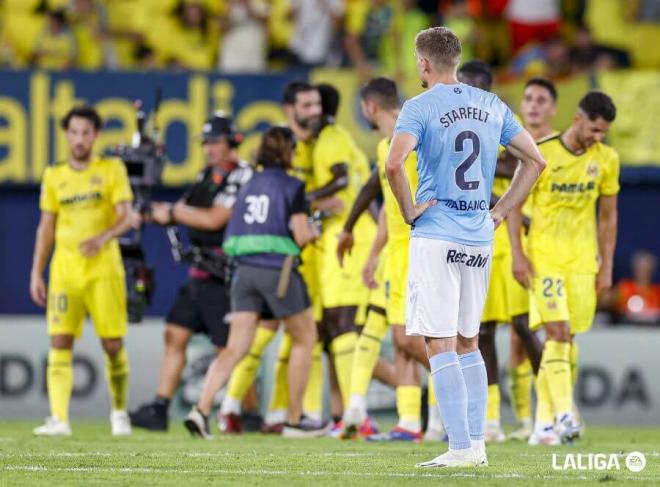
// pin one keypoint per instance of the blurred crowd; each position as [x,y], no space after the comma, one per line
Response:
[521,37]
[635,298]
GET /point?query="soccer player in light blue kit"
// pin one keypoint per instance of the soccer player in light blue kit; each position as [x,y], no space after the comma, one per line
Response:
[456,130]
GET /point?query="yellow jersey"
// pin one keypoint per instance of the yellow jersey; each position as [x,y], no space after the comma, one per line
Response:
[501,244]
[563,233]
[335,145]
[84,202]
[302,166]
[397,228]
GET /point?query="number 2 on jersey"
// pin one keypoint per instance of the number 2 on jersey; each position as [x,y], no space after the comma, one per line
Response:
[463,167]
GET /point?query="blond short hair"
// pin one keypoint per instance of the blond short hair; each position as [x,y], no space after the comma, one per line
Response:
[440,46]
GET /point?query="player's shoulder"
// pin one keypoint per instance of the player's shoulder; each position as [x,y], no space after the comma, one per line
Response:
[333,137]
[604,151]
[109,164]
[549,140]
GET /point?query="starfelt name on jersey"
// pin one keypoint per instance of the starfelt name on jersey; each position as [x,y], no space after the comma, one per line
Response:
[470,205]
[464,113]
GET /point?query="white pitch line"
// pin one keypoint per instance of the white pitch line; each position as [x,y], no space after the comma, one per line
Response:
[165,455]
[276,473]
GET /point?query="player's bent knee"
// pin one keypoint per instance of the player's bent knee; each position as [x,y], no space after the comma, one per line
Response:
[468,344]
[176,337]
[62,342]
[112,346]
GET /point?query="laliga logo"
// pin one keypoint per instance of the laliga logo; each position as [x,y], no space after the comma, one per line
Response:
[635,461]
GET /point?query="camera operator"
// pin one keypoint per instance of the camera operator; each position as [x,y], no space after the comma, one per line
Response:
[264,237]
[202,304]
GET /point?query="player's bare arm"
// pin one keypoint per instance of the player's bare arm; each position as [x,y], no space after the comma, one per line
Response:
[123,223]
[369,270]
[208,219]
[42,250]
[365,197]
[402,145]
[338,182]
[523,147]
[506,165]
[303,231]
[521,266]
[607,229]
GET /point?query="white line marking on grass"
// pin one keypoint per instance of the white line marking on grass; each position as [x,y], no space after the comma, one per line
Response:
[276,473]
[59,454]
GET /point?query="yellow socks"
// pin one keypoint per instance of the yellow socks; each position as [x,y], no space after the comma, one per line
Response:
[521,390]
[279,398]
[367,352]
[313,398]
[116,371]
[575,353]
[342,349]
[545,414]
[556,362]
[409,407]
[493,404]
[59,378]
[243,375]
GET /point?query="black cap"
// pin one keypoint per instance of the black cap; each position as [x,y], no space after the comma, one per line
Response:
[220,126]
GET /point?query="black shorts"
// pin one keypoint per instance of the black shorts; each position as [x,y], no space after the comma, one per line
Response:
[254,289]
[202,306]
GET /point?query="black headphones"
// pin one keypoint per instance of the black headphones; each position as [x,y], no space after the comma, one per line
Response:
[221,126]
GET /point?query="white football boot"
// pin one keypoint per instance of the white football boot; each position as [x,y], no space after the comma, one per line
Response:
[53,427]
[452,459]
[120,422]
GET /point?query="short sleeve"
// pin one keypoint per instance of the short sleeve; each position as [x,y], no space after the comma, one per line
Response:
[299,203]
[510,127]
[411,120]
[609,185]
[356,17]
[48,198]
[121,187]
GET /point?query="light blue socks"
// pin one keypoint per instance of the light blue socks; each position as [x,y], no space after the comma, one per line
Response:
[452,396]
[476,383]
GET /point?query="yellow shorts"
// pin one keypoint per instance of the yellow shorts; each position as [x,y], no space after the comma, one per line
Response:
[309,271]
[496,307]
[71,299]
[341,286]
[556,296]
[517,297]
[396,280]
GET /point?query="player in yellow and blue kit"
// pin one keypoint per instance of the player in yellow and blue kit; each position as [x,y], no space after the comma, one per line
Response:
[380,106]
[538,107]
[340,170]
[85,205]
[570,249]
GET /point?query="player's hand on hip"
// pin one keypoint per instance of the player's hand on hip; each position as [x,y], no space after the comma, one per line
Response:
[603,280]
[497,218]
[344,246]
[522,268]
[91,246]
[369,273]
[38,291]
[419,211]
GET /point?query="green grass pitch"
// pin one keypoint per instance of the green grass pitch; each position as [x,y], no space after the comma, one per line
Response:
[93,456]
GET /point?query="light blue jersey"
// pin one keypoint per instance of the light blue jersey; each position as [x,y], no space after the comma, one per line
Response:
[458,129]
